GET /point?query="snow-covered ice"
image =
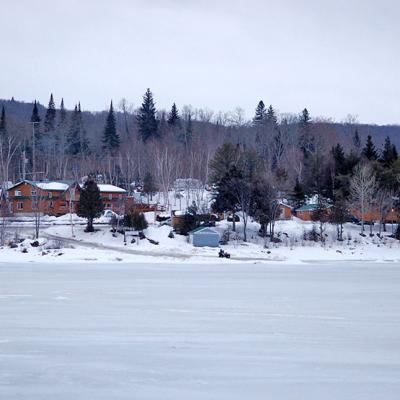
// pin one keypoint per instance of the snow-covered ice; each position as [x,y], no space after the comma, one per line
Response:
[226,331]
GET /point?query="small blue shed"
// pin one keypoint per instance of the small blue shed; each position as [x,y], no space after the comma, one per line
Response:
[204,236]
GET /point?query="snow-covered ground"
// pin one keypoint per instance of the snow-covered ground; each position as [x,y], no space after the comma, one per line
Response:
[103,246]
[171,332]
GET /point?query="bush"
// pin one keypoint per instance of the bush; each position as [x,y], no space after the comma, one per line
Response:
[136,221]
[186,224]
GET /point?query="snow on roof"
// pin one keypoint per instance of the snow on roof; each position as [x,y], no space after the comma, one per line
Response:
[110,188]
[103,187]
[56,186]
[203,229]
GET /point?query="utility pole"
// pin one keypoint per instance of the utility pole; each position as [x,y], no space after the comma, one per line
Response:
[24,161]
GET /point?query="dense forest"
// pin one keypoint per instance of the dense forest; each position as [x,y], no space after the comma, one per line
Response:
[291,156]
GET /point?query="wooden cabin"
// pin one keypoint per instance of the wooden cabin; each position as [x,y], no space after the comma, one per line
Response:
[284,211]
[53,197]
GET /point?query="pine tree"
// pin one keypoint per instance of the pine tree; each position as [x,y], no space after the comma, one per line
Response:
[369,151]
[90,204]
[389,153]
[50,117]
[73,139]
[271,118]
[35,120]
[339,158]
[186,134]
[110,136]
[83,141]
[298,194]
[3,123]
[62,119]
[173,117]
[149,186]
[260,114]
[148,126]
[356,140]
[306,138]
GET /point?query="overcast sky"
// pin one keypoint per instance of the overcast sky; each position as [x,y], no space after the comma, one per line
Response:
[334,57]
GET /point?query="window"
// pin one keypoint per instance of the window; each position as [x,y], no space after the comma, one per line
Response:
[51,205]
[33,192]
[120,196]
[17,193]
[50,195]
[63,205]
[110,196]
[20,205]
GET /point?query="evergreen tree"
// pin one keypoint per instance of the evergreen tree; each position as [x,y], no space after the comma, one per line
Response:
[369,151]
[90,204]
[271,118]
[148,126]
[138,221]
[298,194]
[389,153]
[356,140]
[62,115]
[173,117]
[35,120]
[149,186]
[83,141]
[340,159]
[3,123]
[260,115]
[50,117]
[226,156]
[110,136]
[306,139]
[73,139]
[186,134]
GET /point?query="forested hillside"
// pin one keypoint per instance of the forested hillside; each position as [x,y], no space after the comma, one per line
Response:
[125,144]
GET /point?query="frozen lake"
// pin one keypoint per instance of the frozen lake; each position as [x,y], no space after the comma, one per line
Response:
[199,332]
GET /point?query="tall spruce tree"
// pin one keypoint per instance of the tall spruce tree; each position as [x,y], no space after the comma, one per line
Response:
[62,119]
[299,195]
[339,158]
[3,123]
[50,117]
[90,204]
[260,114]
[35,113]
[356,140]
[83,141]
[73,139]
[271,118]
[306,138]
[173,117]
[35,120]
[149,186]
[110,137]
[146,118]
[389,153]
[369,151]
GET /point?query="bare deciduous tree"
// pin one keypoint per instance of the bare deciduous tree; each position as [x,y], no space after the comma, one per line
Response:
[362,188]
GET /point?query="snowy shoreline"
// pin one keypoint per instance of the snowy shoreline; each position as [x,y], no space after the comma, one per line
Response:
[58,246]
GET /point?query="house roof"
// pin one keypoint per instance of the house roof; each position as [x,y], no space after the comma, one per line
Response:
[56,186]
[285,205]
[62,186]
[311,207]
[108,188]
[203,229]
[307,207]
